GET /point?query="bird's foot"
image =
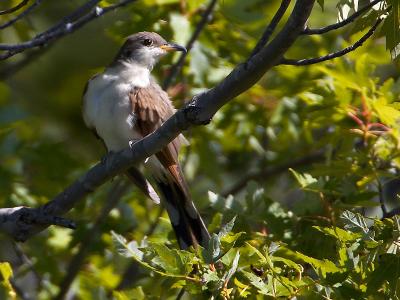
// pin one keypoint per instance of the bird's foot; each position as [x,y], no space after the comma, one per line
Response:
[131,143]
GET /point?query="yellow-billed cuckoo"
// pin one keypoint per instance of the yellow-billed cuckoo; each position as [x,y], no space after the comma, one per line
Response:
[124,104]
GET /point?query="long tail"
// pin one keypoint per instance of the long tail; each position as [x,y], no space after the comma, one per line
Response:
[185,219]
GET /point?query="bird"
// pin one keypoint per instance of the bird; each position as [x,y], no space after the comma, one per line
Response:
[122,105]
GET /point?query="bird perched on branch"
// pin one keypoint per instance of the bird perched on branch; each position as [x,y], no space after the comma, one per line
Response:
[124,104]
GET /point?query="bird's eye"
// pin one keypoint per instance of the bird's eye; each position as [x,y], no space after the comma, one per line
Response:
[147,42]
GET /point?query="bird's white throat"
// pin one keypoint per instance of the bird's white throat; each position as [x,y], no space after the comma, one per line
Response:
[131,73]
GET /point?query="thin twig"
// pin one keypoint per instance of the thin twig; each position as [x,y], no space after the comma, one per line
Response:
[21,15]
[392,213]
[20,292]
[264,174]
[59,30]
[11,68]
[381,200]
[205,18]
[15,8]
[315,60]
[180,294]
[271,27]
[28,265]
[352,18]
[75,15]
[114,196]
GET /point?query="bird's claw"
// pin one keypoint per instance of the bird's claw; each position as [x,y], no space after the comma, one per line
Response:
[131,143]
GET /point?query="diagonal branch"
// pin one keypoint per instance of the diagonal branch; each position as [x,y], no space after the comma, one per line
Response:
[271,27]
[352,18]
[205,18]
[315,60]
[15,8]
[21,15]
[75,15]
[199,111]
[60,30]
[11,68]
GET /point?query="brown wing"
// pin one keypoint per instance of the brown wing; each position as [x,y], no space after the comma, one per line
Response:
[152,107]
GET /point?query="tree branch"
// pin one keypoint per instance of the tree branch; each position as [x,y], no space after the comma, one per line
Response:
[343,23]
[271,27]
[205,18]
[199,111]
[76,14]
[392,213]
[21,15]
[11,68]
[61,29]
[15,8]
[315,60]
[381,198]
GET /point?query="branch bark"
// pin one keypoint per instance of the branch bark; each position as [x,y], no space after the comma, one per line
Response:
[199,111]
[271,27]
[21,15]
[15,8]
[350,19]
[333,55]
[69,25]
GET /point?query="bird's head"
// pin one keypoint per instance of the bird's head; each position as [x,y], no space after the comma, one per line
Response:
[145,48]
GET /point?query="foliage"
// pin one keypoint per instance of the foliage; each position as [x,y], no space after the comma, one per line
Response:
[356,267]
[297,169]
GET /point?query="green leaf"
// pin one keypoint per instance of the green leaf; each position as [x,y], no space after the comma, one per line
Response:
[210,276]
[132,294]
[388,270]
[227,228]
[215,222]
[391,28]
[386,113]
[6,274]
[232,270]
[289,263]
[257,282]
[306,181]
[166,258]
[130,249]
[322,267]
[257,252]
[338,233]
[213,252]
[354,221]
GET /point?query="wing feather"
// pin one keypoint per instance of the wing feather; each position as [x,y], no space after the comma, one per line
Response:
[153,107]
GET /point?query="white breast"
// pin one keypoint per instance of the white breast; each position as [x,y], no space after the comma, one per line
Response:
[107,108]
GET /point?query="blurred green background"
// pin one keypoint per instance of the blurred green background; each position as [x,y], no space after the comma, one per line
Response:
[294,117]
